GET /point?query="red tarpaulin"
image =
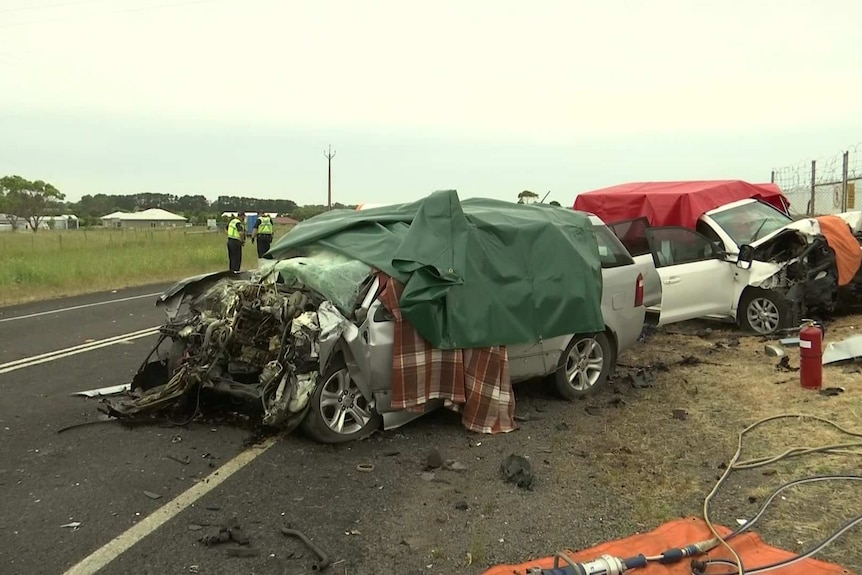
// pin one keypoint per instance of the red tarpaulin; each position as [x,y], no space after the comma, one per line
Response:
[751,549]
[673,203]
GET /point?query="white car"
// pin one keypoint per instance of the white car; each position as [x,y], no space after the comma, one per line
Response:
[745,261]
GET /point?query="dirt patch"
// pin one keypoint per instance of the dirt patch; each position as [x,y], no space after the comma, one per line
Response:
[646,450]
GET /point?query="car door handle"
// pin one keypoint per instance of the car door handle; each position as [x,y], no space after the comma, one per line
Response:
[673,280]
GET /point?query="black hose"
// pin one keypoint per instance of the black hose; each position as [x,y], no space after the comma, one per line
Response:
[768,501]
[703,565]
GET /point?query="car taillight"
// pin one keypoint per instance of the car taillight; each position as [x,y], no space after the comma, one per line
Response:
[639,291]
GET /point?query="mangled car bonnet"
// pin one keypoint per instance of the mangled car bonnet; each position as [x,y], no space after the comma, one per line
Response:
[250,339]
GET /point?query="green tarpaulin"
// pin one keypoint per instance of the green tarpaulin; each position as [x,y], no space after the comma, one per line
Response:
[476,273]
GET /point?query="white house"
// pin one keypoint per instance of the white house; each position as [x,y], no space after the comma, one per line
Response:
[151,218]
[65,222]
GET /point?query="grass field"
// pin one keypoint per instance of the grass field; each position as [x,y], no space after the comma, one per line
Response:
[51,264]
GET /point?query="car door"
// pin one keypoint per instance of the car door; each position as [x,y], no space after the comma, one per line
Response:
[632,234]
[696,280]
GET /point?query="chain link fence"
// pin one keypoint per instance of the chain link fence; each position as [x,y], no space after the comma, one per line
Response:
[823,186]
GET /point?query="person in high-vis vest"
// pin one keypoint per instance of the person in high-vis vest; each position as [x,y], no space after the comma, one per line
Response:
[235,241]
[263,234]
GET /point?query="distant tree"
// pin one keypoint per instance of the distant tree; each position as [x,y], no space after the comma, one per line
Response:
[306,212]
[527,197]
[30,200]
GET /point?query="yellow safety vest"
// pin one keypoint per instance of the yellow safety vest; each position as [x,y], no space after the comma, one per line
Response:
[265,226]
[232,230]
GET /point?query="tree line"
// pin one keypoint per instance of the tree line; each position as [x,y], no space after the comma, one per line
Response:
[32,201]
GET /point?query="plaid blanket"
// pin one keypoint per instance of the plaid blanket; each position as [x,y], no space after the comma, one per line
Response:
[474,382]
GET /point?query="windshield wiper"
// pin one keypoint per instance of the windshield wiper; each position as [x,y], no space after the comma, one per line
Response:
[757,231]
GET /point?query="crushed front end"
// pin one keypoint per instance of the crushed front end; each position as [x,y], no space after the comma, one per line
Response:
[250,343]
[802,265]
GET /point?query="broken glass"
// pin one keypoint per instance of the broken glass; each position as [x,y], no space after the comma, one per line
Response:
[336,277]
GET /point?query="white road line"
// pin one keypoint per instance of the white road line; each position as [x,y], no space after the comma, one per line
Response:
[82,306]
[61,353]
[77,347]
[125,541]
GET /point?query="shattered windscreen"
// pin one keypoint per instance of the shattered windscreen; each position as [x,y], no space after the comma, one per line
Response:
[336,277]
[747,223]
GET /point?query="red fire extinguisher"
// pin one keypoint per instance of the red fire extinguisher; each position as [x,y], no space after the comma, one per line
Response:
[811,356]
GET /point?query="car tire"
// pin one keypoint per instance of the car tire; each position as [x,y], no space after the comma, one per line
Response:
[585,365]
[338,394]
[764,311]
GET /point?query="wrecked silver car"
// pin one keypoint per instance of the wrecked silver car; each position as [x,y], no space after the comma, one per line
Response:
[363,318]
[252,339]
[261,340]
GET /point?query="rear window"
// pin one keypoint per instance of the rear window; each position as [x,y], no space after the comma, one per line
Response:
[632,233]
[612,253]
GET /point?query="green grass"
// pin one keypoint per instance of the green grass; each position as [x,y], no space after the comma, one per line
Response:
[51,264]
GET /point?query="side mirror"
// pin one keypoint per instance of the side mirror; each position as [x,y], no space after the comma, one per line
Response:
[746,255]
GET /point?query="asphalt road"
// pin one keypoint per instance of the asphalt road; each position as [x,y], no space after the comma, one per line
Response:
[97,475]
[395,520]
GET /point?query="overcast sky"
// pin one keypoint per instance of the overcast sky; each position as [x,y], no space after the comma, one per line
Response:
[241,97]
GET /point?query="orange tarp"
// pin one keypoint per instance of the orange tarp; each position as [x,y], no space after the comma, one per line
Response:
[753,551]
[848,254]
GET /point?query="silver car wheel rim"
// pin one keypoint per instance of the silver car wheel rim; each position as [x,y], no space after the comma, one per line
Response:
[763,315]
[345,411]
[584,364]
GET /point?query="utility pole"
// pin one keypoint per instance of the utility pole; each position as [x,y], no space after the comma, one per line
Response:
[329,155]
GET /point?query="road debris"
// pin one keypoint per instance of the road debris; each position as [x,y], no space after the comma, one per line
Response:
[152,495]
[680,414]
[832,391]
[434,460]
[104,391]
[784,365]
[642,378]
[365,467]
[225,534]
[774,350]
[73,525]
[462,506]
[452,465]
[845,350]
[185,460]
[518,470]
[323,560]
